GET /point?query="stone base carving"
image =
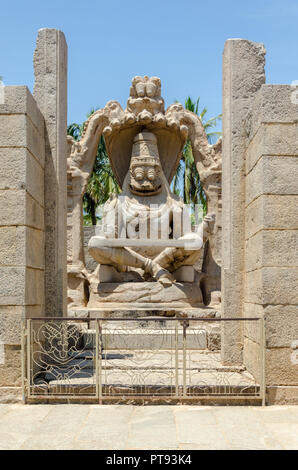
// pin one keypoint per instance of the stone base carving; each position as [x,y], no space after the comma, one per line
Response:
[145,294]
[110,274]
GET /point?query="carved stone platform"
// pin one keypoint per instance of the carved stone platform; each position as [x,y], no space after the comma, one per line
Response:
[145,294]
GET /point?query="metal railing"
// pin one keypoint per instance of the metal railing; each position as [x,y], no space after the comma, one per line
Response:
[118,359]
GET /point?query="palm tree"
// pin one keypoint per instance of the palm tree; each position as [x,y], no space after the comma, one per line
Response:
[102,181]
[186,182]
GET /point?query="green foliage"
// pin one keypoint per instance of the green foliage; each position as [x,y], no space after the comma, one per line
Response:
[186,182]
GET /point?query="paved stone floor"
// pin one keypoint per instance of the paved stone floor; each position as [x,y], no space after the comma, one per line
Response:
[147,427]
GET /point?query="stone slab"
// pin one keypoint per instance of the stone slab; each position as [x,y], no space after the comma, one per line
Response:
[272,285]
[17,207]
[272,175]
[271,212]
[18,100]
[272,248]
[272,139]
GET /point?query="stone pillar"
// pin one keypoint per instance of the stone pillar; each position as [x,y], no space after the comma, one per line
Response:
[271,232]
[243,75]
[21,228]
[50,93]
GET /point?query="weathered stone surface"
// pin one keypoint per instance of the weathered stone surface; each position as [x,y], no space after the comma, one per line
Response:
[34,287]
[18,100]
[271,212]
[144,292]
[22,246]
[273,103]
[282,395]
[17,130]
[10,395]
[19,208]
[34,248]
[10,326]
[12,285]
[20,170]
[21,286]
[272,285]
[280,369]
[12,245]
[272,175]
[10,371]
[281,326]
[243,75]
[272,248]
[252,358]
[50,93]
[135,339]
[272,139]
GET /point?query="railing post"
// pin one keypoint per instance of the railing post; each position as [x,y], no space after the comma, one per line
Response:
[176,360]
[23,359]
[28,358]
[263,359]
[98,363]
[185,325]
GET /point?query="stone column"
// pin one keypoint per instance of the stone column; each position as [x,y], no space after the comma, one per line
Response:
[243,75]
[271,227]
[50,93]
[21,228]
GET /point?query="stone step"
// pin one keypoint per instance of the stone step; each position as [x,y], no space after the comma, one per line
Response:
[118,338]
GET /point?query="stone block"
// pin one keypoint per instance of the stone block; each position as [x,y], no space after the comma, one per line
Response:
[282,395]
[272,285]
[21,246]
[12,285]
[272,175]
[11,325]
[18,100]
[20,170]
[271,212]
[281,326]
[34,293]
[20,311]
[12,245]
[10,368]
[17,130]
[21,286]
[19,208]
[272,139]
[272,103]
[272,248]
[280,369]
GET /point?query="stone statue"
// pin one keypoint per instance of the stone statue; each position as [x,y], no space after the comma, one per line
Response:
[146,252]
[146,200]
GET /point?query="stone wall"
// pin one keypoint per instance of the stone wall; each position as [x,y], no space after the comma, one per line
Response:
[243,75]
[22,154]
[271,237]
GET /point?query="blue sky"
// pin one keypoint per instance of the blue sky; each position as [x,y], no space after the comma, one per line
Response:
[179,41]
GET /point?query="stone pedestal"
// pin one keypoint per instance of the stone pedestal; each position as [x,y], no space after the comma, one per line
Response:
[144,294]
